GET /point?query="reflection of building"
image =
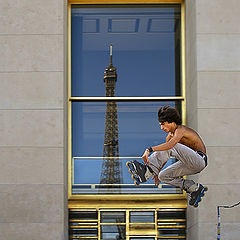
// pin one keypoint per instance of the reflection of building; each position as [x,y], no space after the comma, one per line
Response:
[111,167]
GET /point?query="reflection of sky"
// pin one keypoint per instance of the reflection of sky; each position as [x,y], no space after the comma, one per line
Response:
[137,123]
[144,48]
[138,128]
[144,58]
[88,171]
[152,76]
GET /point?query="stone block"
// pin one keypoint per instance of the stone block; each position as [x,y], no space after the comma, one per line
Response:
[31,53]
[33,203]
[31,231]
[31,166]
[218,16]
[222,167]
[192,217]
[218,89]
[218,195]
[218,52]
[219,127]
[31,17]
[192,232]
[36,128]
[31,90]
[208,231]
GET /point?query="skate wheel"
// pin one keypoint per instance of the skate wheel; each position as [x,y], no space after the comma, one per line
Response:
[136,180]
[205,189]
[136,183]
[128,164]
[130,167]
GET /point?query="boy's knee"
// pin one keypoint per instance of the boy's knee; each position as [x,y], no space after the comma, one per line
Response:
[162,176]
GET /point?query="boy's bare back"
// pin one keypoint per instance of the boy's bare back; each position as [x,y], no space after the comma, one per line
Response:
[190,138]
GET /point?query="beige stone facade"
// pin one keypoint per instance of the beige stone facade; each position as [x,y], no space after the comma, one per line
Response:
[213,37]
[33,189]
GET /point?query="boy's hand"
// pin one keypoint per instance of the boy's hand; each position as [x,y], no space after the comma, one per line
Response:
[145,156]
[157,181]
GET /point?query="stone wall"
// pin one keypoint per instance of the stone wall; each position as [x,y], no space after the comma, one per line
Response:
[32,195]
[218,109]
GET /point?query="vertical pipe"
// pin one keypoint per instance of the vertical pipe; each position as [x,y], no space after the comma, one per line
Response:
[218,226]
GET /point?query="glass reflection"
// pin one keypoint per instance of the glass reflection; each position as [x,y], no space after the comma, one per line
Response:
[137,125]
[110,232]
[137,128]
[87,173]
[142,238]
[113,217]
[146,50]
[142,217]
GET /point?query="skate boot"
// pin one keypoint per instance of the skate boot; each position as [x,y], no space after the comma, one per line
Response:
[197,195]
[140,172]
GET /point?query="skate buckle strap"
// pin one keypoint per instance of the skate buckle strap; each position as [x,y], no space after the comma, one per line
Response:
[204,157]
[148,173]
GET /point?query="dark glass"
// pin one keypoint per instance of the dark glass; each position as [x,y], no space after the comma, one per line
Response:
[146,49]
[76,238]
[83,215]
[173,232]
[111,232]
[142,217]
[85,238]
[83,224]
[81,232]
[171,238]
[113,217]
[142,238]
[171,214]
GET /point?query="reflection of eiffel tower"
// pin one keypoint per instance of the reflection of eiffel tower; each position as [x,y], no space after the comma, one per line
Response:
[111,166]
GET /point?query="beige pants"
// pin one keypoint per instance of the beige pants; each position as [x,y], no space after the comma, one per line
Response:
[189,162]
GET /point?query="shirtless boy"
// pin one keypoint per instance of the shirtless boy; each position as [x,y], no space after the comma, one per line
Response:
[183,144]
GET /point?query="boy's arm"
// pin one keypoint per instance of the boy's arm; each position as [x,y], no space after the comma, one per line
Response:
[169,136]
[177,136]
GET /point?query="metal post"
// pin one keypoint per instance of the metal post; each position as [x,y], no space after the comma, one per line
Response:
[218,226]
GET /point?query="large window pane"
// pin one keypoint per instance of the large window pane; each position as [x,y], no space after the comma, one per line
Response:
[138,127]
[146,50]
[87,174]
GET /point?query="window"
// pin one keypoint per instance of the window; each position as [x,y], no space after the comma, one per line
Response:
[126,62]
[127,224]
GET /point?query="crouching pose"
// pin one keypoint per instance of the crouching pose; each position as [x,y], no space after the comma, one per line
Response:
[183,144]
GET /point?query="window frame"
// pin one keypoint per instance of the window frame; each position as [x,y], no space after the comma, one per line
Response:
[71,99]
[175,221]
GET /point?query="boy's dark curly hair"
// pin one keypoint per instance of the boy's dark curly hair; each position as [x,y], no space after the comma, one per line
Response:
[169,114]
